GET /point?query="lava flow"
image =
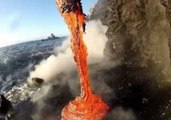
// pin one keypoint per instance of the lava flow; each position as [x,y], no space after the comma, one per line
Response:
[87,106]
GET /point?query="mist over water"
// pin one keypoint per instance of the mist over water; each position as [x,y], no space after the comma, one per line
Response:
[63,62]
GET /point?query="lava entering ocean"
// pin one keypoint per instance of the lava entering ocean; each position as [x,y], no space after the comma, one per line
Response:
[87,106]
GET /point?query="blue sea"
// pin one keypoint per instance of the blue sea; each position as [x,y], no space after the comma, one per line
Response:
[17,60]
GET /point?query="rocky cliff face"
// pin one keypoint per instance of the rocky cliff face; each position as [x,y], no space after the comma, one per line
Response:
[138,33]
[139,37]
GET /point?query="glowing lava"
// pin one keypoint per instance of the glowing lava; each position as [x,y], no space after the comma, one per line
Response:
[87,106]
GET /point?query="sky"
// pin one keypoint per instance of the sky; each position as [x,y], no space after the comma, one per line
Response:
[25,20]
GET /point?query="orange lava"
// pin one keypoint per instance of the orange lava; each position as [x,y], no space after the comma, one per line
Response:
[87,106]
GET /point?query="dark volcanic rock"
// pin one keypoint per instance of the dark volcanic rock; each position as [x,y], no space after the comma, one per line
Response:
[38,81]
[51,105]
[5,105]
[138,33]
[138,36]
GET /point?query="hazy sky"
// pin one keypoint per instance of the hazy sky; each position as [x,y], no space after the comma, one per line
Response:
[23,20]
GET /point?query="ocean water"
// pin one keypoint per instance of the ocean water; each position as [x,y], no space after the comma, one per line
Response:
[17,60]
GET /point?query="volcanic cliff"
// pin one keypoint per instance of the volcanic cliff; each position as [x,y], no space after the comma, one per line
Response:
[139,38]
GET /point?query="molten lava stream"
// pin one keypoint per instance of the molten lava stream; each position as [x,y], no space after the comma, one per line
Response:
[87,106]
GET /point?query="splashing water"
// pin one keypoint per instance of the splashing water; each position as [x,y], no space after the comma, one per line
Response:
[87,106]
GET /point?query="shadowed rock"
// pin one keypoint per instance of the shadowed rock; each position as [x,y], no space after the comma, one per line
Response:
[5,105]
[138,36]
[38,81]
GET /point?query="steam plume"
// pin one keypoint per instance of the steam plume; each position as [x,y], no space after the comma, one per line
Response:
[60,68]
[63,62]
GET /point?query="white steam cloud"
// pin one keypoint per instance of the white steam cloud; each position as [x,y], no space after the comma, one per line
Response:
[61,67]
[63,62]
